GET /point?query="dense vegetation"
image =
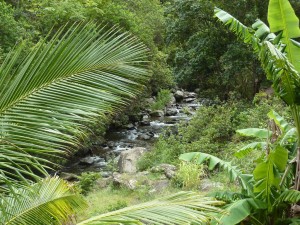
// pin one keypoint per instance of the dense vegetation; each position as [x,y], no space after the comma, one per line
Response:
[69,67]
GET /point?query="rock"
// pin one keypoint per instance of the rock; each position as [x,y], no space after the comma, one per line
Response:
[130,126]
[129,182]
[208,185]
[172,101]
[105,174]
[128,159]
[87,161]
[104,182]
[100,164]
[171,112]
[145,121]
[149,101]
[168,169]
[190,95]
[90,160]
[187,100]
[157,113]
[68,176]
[145,137]
[179,95]
[160,185]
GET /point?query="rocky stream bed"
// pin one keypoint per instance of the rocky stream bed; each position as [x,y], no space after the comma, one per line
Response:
[125,146]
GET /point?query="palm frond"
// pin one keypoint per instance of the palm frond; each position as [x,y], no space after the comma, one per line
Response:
[213,161]
[49,201]
[178,209]
[84,72]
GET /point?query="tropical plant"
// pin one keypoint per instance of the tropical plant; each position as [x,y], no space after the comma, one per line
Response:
[50,201]
[279,54]
[265,194]
[180,208]
[83,73]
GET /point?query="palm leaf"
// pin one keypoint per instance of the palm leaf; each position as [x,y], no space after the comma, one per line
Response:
[83,73]
[255,132]
[233,171]
[48,202]
[181,208]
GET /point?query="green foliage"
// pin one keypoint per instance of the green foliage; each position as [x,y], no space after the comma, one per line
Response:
[188,175]
[212,130]
[50,201]
[87,181]
[162,99]
[203,54]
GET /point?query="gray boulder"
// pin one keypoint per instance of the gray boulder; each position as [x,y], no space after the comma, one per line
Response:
[157,113]
[128,159]
[168,169]
[179,95]
[171,112]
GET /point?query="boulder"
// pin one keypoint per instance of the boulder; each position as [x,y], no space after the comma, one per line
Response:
[168,169]
[157,113]
[171,112]
[172,101]
[129,181]
[190,95]
[128,159]
[149,101]
[129,126]
[208,185]
[90,160]
[187,100]
[68,176]
[144,137]
[145,121]
[179,95]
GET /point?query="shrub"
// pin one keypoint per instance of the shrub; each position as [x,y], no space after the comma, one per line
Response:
[188,175]
[163,98]
[87,181]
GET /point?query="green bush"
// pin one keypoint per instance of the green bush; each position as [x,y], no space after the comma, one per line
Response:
[163,98]
[87,181]
[212,130]
[188,175]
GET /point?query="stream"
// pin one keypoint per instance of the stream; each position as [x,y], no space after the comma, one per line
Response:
[140,134]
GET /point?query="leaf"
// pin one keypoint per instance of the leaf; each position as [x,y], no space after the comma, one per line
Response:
[288,196]
[180,208]
[236,26]
[282,17]
[240,210]
[244,151]
[83,73]
[233,172]
[48,202]
[280,121]
[266,174]
[255,132]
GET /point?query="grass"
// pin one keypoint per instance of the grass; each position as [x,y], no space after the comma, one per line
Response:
[103,200]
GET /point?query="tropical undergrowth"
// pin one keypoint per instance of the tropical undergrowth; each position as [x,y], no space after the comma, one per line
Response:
[213,130]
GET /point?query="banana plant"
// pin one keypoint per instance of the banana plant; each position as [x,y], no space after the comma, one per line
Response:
[279,54]
[265,194]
